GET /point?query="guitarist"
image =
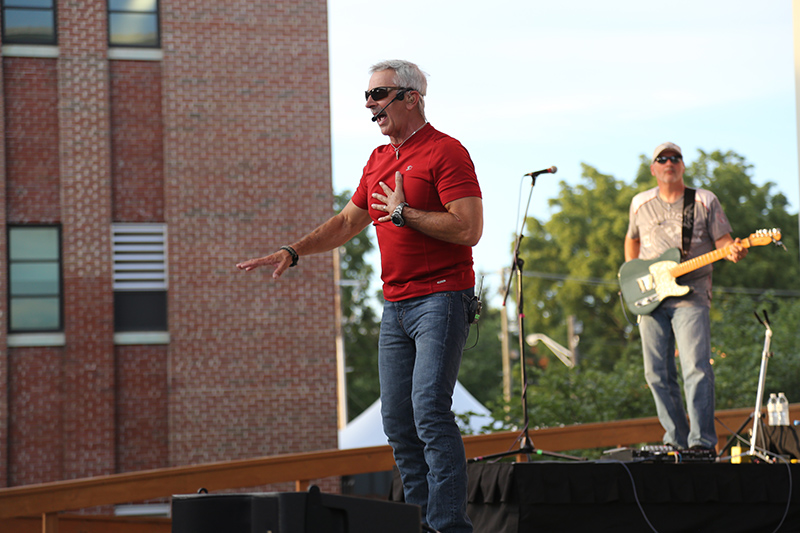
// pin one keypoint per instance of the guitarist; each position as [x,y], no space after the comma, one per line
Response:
[659,220]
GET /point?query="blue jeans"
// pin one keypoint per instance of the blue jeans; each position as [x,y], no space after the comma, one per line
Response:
[420,349]
[688,329]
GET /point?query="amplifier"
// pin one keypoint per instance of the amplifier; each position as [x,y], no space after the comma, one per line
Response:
[291,512]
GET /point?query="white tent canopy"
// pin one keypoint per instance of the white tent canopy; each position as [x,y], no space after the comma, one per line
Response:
[367,429]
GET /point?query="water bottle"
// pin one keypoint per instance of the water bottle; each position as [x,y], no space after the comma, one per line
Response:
[783,410]
[772,410]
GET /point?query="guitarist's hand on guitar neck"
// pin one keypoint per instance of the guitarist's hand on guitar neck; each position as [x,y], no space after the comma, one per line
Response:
[736,248]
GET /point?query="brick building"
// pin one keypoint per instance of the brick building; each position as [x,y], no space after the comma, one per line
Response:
[149,146]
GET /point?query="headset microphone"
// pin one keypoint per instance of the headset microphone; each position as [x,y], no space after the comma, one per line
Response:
[399,96]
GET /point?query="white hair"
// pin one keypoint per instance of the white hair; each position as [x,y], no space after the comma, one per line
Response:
[407,75]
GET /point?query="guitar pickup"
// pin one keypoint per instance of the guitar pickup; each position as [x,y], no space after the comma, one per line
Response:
[646,283]
[646,301]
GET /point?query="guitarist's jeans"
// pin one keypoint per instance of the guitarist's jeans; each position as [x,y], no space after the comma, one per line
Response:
[688,329]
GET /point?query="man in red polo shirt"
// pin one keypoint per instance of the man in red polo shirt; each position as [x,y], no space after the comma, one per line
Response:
[421,193]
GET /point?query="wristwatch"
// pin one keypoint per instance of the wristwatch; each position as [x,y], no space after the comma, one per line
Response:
[397,215]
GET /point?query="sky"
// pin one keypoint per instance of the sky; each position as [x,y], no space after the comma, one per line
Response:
[526,85]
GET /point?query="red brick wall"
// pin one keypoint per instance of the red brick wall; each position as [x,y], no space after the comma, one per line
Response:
[227,140]
[84,147]
[32,195]
[32,422]
[247,169]
[138,196]
[137,141]
[4,381]
[142,429]
[32,163]
[35,438]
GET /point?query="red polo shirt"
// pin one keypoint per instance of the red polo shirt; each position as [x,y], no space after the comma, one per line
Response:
[436,170]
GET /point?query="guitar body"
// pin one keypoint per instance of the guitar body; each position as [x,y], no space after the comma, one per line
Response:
[645,284]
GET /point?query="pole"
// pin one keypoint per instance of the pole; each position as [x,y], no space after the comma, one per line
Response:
[796,32]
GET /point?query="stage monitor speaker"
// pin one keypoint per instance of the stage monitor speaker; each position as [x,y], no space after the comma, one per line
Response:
[291,512]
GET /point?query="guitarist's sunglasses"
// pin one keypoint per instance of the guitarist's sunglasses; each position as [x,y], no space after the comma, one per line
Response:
[664,158]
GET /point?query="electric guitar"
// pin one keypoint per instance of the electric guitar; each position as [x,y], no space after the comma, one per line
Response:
[644,284]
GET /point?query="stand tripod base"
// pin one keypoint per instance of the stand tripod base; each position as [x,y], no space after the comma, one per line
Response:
[526,449]
[745,456]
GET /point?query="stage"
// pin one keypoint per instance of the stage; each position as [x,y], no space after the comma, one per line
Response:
[599,496]
[562,496]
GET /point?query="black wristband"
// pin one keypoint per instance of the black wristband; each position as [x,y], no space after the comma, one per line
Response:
[294,255]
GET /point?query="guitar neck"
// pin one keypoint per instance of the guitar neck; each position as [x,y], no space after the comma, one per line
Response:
[705,259]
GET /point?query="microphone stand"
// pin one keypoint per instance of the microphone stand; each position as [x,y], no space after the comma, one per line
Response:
[526,445]
[756,416]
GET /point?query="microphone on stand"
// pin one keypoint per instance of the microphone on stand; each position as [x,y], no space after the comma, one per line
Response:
[399,96]
[551,170]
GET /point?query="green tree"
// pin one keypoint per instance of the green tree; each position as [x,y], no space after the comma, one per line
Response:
[739,340]
[571,263]
[481,368]
[570,269]
[749,207]
[481,365]
[360,322]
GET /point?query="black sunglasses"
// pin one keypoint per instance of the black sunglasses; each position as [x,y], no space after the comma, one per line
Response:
[664,158]
[379,93]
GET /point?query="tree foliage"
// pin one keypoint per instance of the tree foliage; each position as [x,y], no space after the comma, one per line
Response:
[739,340]
[749,207]
[481,365]
[571,263]
[360,322]
[570,268]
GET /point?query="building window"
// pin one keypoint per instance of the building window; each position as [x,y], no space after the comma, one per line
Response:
[140,277]
[133,23]
[29,22]
[34,279]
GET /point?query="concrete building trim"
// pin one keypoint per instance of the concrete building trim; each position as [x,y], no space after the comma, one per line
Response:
[19,340]
[24,50]
[143,337]
[136,54]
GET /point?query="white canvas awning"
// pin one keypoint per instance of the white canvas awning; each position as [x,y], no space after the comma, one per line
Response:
[367,429]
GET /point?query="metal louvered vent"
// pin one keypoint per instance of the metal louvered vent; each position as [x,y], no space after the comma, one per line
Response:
[140,257]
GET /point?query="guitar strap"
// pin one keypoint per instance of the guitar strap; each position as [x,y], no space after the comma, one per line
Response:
[688,220]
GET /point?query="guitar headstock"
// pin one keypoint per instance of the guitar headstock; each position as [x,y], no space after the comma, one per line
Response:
[763,237]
